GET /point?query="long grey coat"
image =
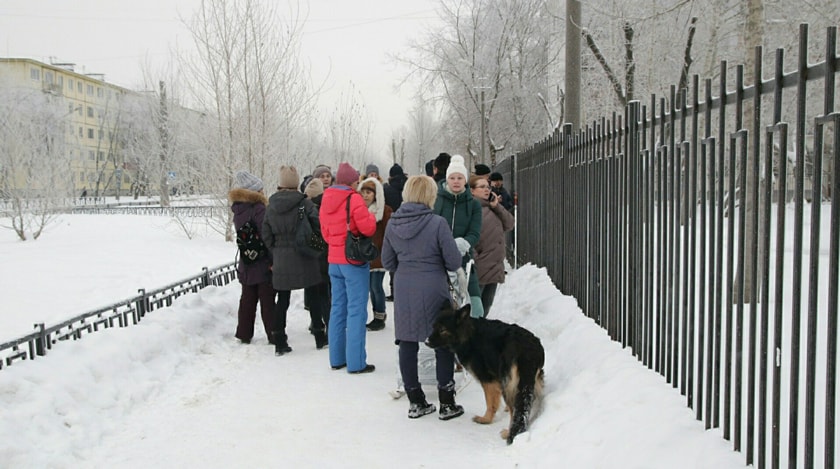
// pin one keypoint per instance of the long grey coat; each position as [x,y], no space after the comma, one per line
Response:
[490,250]
[290,270]
[419,249]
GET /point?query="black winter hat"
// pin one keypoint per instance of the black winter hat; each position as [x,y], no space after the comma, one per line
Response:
[396,170]
[442,161]
[494,176]
[482,169]
[430,168]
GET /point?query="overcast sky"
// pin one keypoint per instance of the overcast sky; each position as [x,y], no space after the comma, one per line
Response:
[115,37]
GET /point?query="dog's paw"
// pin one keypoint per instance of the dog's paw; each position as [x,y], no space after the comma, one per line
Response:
[505,433]
[482,419]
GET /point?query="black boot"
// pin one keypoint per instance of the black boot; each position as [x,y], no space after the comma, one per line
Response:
[321,340]
[448,408]
[378,322]
[281,344]
[418,406]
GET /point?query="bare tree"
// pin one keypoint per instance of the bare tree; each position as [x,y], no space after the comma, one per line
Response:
[250,82]
[34,159]
[349,128]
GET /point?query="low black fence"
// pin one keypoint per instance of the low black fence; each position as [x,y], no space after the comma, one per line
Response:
[196,211]
[672,225]
[121,314]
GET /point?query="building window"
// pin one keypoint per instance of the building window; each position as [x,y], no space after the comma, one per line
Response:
[35,74]
[60,80]
[90,111]
[99,92]
[81,132]
[70,84]
[90,133]
[90,90]
[79,109]
[79,86]
[101,134]
[48,78]
[70,108]
[81,176]
[91,155]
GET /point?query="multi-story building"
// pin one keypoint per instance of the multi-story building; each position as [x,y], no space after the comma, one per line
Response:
[93,116]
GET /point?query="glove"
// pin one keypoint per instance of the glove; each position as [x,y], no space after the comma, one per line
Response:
[463,246]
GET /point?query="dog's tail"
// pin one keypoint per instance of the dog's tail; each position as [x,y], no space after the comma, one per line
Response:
[527,404]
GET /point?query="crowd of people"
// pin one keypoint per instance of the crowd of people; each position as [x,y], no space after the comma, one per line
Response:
[424,227]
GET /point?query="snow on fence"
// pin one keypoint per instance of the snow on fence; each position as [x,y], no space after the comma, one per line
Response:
[121,314]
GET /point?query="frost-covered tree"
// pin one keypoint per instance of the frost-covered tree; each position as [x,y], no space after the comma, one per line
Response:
[34,159]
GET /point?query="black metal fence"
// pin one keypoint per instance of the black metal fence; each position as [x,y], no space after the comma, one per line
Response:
[670,224]
[122,314]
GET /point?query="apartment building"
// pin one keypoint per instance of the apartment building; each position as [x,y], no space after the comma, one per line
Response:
[93,115]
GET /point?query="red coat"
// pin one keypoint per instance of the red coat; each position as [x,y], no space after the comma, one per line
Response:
[333,215]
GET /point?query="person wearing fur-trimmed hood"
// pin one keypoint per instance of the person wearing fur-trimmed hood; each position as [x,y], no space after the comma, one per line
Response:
[373,193]
[248,203]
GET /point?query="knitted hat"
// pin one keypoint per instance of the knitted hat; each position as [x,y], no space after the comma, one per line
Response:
[371,168]
[246,180]
[321,169]
[482,169]
[456,165]
[346,174]
[314,188]
[430,168]
[289,178]
[305,181]
[494,176]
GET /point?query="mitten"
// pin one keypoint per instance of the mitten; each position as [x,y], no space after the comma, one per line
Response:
[463,245]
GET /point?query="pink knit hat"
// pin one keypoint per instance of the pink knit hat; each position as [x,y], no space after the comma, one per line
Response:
[346,175]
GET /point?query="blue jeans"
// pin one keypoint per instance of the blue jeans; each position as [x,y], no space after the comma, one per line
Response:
[377,293]
[350,284]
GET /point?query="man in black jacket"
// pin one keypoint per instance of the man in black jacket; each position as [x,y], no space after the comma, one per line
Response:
[497,187]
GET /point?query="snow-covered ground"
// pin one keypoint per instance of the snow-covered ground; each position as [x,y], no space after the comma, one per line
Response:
[178,390]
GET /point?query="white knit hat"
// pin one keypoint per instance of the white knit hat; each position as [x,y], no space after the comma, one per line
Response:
[246,180]
[456,165]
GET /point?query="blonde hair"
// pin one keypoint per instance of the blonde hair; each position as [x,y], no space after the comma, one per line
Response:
[474,180]
[421,190]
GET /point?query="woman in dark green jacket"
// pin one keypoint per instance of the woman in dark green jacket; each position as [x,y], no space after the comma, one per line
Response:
[462,212]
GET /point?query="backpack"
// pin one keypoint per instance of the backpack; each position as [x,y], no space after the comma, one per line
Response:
[251,246]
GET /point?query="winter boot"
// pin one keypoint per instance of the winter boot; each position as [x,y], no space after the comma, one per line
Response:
[378,322]
[418,406]
[448,408]
[281,344]
[321,340]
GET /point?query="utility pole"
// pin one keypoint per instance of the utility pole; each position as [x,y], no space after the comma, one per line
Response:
[573,33]
[481,156]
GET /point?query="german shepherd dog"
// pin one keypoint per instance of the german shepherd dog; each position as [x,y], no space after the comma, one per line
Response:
[505,358]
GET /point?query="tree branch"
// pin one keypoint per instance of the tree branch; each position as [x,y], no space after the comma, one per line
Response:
[590,42]
[687,60]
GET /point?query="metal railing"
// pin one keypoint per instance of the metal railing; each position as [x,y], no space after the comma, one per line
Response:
[660,223]
[121,314]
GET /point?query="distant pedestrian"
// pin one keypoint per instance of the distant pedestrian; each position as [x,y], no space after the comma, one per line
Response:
[498,188]
[371,191]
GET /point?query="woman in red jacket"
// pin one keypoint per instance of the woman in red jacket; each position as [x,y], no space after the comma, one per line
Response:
[350,282]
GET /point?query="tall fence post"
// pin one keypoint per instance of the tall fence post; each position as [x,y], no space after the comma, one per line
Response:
[41,343]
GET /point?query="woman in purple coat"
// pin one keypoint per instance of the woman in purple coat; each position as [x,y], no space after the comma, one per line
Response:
[248,203]
[418,250]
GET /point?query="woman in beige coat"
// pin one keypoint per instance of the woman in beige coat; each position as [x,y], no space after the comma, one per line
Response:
[490,250]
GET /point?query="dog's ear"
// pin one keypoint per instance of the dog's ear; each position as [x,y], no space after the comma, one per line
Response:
[464,312]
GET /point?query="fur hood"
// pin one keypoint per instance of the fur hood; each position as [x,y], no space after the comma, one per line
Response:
[247,196]
[378,206]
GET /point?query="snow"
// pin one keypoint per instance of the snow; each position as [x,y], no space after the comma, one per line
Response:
[177,390]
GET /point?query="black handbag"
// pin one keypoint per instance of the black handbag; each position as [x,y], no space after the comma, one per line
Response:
[358,249]
[308,241]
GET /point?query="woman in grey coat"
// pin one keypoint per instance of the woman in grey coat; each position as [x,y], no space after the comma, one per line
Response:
[290,269]
[418,250]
